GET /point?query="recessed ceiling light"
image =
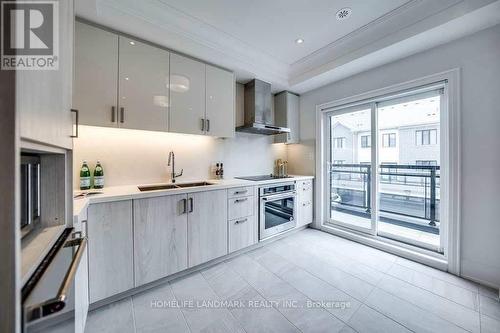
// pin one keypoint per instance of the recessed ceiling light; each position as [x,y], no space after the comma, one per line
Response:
[299,41]
[132,43]
[343,14]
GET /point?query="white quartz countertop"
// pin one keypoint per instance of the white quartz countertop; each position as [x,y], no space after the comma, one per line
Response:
[127,192]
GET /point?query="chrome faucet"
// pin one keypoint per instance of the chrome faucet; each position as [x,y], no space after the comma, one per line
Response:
[171,162]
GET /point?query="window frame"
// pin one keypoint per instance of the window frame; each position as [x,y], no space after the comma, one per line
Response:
[389,136]
[420,133]
[367,142]
[336,140]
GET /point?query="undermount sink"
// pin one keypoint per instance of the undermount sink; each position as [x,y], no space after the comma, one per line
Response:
[157,187]
[194,184]
[171,186]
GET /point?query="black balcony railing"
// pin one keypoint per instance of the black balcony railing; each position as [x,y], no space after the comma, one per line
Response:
[405,190]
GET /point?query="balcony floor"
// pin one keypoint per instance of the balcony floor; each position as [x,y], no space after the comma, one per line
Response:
[415,235]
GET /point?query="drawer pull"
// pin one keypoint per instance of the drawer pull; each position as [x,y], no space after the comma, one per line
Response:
[240,221]
[240,200]
[241,192]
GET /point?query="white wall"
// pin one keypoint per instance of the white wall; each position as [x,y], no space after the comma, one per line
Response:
[478,58]
[140,157]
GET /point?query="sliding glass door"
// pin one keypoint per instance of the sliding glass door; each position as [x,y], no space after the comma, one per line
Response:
[409,168]
[384,167]
[350,168]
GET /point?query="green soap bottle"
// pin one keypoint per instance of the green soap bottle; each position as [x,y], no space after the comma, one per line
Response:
[98,176]
[85,177]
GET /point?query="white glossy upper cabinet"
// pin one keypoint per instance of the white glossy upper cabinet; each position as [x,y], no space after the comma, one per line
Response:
[142,86]
[220,91]
[43,97]
[96,72]
[187,95]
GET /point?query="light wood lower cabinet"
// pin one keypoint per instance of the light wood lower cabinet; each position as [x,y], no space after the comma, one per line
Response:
[242,215]
[242,233]
[207,226]
[240,207]
[111,268]
[305,202]
[82,280]
[81,294]
[240,192]
[160,237]
[149,239]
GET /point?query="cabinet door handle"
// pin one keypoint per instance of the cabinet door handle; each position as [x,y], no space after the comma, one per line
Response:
[113,114]
[208,125]
[122,115]
[202,125]
[184,206]
[191,205]
[240,200]
[76,123]
[240,221]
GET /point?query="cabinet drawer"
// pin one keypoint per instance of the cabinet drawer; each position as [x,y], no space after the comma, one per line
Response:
[240,207]
[305,191]
[305,213]
[242,233]
[305,196]
[304,185]
[240,192]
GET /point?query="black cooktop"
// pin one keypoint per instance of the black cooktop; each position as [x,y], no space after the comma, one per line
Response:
[263,177]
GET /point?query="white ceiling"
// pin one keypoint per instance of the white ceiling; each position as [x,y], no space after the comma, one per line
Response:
[256,38]
[273,26]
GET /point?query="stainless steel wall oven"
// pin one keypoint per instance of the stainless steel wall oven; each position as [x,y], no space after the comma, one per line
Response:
[30,192]
[277,209]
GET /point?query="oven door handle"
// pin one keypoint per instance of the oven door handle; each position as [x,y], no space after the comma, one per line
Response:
[279,196]
[57,303]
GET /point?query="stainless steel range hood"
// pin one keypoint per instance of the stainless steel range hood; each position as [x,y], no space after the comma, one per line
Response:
[259,118]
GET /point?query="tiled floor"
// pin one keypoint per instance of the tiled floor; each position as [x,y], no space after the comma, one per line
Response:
[308,282]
